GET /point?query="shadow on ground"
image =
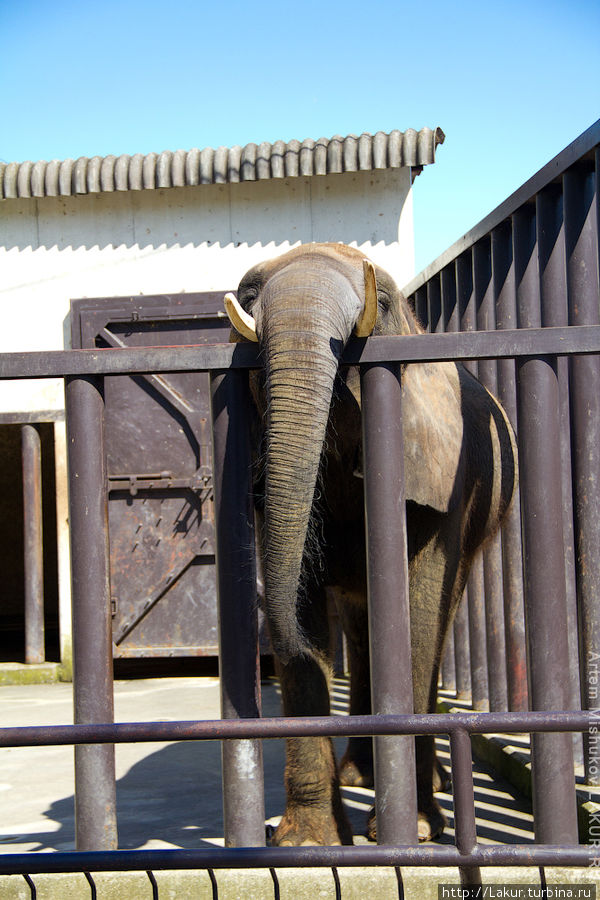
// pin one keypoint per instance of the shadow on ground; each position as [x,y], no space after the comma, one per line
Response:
[172,796]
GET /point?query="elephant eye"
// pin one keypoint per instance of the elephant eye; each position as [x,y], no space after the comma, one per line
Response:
[383,300]
[247,296]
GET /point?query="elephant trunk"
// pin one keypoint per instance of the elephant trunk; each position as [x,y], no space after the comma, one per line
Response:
[301,361]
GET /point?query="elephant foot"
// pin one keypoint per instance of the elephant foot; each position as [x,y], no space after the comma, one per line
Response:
[441,778]
[372,825]
[302,827]
[430,824]
[356,772]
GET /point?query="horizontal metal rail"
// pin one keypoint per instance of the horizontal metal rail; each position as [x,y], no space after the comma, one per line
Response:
[300,726]
[559,341]
[289,857]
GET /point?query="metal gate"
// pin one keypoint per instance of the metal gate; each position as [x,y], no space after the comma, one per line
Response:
[159,460]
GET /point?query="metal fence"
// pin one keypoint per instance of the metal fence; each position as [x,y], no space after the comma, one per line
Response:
[533,263]
[519,295]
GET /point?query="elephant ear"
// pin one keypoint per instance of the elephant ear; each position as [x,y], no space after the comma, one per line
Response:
[433,434]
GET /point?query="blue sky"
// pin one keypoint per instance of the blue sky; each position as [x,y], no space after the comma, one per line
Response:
[510,83]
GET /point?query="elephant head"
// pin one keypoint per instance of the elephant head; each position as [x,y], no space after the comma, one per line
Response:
[302,308]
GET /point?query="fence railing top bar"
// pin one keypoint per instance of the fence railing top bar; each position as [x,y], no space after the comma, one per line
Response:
[301,726]
[580,339]
[581,147]
[288,857]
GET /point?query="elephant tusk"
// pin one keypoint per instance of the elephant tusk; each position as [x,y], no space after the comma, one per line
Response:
[241,320]
[366,321]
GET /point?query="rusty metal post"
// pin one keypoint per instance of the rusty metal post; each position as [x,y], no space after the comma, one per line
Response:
[239,661]
[464,802]
[555,814]
[550,229]
[457,676]
[389,614]
[31,452]
[435,317]
[477,644]
[465,293]
[421,307]
[448,666]
[503,273]
[95,790]
[555,811]
[581,210]
[494,625]
[492,552]
[462,650]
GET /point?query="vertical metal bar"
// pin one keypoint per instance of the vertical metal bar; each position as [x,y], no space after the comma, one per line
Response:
[63,545]
[336,881]
[555,817]
[389,614]
[465,290]
[31,886]
[477,642]
[450,310]
[462,655]
[494,624]
[455,666]
[153,882]
[554,312]
[448,667]
[31,452]
[465,297]
[434,306]
[492,553]
[420,301]
[95,792]
[484,306]
[503,273]
[555,812]
[514,622]
[239,661]
[581,233]
[480,691]
[92,884]
[464,802]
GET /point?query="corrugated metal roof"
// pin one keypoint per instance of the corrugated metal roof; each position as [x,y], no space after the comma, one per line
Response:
[254,162]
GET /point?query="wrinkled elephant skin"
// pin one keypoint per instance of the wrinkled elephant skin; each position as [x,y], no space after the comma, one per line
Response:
[460,475]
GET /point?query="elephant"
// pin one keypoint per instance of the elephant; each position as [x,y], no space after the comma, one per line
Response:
[460,475]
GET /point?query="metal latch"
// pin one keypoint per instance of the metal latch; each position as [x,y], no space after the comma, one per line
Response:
[201,480]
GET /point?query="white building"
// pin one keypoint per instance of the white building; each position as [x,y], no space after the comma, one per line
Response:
[180,222]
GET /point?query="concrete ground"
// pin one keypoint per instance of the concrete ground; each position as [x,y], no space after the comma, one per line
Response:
[169,795]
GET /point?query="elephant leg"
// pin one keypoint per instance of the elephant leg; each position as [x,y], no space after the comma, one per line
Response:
[431,819]
[437,576]
[356,766]
[314,812]
[441,778]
